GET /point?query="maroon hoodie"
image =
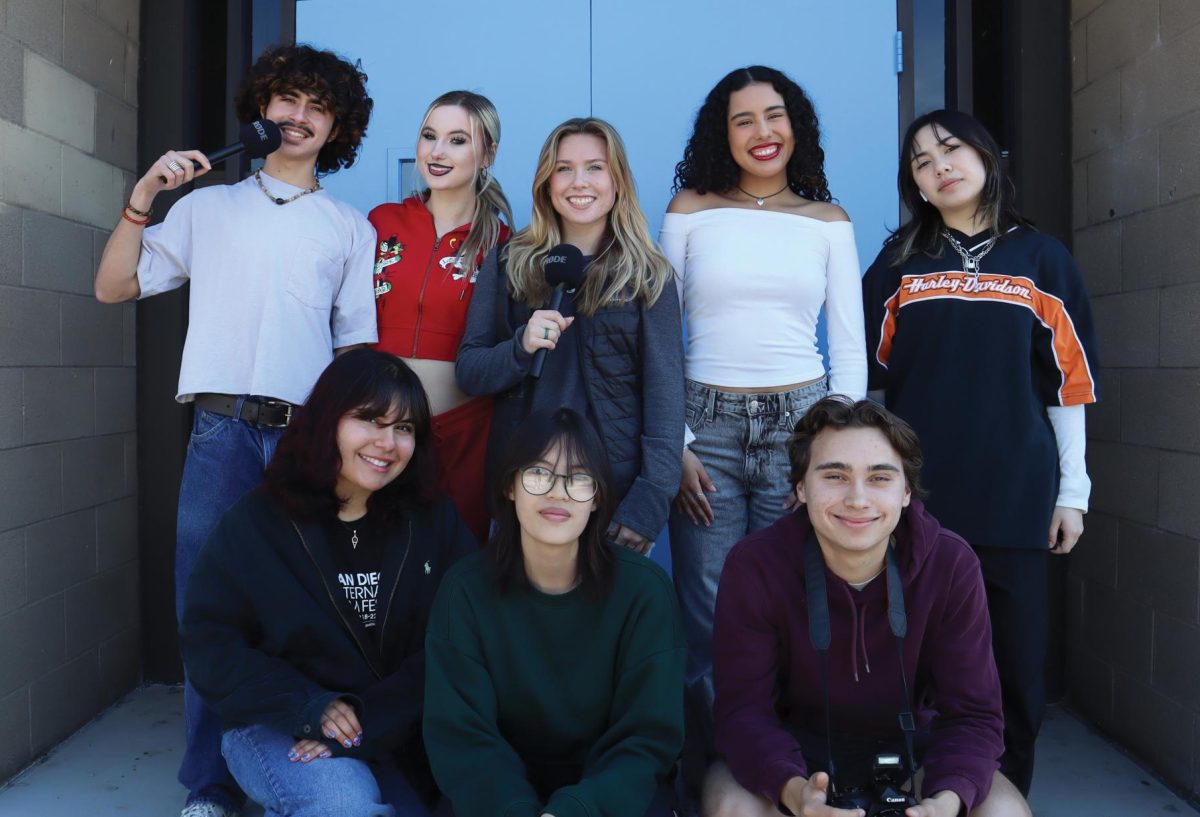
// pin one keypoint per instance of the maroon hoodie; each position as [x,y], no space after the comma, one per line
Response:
[767,675]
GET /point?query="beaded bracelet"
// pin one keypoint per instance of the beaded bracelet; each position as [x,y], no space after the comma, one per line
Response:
[139,213]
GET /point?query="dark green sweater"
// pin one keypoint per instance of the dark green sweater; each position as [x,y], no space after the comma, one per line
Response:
[579,700]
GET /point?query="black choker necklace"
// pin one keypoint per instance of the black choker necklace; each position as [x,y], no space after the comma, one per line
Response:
[761,200]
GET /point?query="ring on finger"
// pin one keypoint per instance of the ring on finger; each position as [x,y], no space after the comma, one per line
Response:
[175,166]
[699,495]
[545,333]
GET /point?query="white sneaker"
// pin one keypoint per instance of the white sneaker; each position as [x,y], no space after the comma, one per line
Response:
[206,808]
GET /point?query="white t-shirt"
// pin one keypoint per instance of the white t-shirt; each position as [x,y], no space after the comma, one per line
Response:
[275,289]
[752,284]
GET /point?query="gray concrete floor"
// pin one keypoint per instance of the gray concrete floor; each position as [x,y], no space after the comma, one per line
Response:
[123,765]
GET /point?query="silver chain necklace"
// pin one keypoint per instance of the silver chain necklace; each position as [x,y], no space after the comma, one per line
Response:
[970,260]
[353,532]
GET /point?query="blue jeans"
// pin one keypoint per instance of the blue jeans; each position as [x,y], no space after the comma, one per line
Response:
[741,439]
[225,459]
[325,787]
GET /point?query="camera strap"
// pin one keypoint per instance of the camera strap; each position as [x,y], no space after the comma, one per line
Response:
[820,635]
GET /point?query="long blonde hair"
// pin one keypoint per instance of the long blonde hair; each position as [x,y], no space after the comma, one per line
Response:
[490,201]
[629,264]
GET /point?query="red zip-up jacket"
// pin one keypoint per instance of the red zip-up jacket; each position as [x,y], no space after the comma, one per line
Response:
[421,293]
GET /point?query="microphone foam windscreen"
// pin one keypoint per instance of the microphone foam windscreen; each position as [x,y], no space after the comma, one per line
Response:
[564,265]
[261,137]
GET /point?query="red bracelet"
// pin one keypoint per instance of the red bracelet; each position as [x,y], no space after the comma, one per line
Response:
[125,215]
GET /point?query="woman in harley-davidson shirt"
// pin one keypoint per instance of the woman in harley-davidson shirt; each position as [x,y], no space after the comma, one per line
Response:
[430,249]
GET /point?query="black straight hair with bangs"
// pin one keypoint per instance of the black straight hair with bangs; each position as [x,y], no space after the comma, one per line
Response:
[922,232]
[363,383]
[580,446]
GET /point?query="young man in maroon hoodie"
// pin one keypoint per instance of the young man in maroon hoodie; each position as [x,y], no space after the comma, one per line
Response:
[856,472]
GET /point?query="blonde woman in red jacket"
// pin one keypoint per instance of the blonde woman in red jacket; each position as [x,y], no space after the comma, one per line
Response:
[429,252]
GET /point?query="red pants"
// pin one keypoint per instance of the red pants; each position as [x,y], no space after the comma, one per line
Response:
[460,438]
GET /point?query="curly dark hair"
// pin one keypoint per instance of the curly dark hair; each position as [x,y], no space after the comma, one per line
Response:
[321,74]
[367,384]
[707,162]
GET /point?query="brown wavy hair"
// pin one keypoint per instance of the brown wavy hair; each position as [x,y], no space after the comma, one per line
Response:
[322,74]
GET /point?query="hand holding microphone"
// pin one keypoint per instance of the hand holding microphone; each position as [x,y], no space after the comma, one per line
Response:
[564,271]
[178,167]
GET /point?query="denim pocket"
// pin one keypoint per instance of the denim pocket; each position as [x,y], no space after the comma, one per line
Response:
[693,415]
[207,424]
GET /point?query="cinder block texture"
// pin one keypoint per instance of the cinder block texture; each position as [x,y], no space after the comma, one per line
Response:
[93,471]
[93,334]
[29,333]
[1179,326]
[1104,417]
[30,168]
[117,532]
[1177,659]
[1124,480]
[1118,32]
[1154,726]
[1161,246]
[93,51]
[1079,75]
[100,608]
[1119,629]
[1160,569]
[12,571]
[38,24]
[1179,172]
[12,81]
[1124,178]
[33,637]
[1164,415]
[60,552]
[10,240]
[120,665]
[15,751]
[1178,508]
[1095,557]
[1082,8]
[116,403]
[30,486]
[1177,16]
[59,404]
[1127,328]
[116,132]
[58,254]
[122,15]
[12,413]
[1162,84]
[59,104]
[1097,116]
[92,190]
[63,701]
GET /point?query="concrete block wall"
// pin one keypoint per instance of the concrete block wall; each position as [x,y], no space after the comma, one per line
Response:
[69,633]
[1134,614]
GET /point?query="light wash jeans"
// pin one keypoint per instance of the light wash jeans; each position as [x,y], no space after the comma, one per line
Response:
[741,439]
[325,787]
[225,459]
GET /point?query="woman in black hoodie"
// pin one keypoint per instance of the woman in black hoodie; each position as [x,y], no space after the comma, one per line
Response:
[304,620]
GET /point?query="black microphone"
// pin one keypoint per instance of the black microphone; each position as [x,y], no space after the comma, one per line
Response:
[258,138]
[564,270]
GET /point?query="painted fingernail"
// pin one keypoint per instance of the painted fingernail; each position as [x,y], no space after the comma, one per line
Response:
[306,757]
[292,755]
[325,753]
[347,743]
[358,739]
[329,733]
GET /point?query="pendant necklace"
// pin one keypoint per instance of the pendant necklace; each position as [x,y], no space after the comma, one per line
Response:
[970,260]
[353,532]
[761,200]
[258,178]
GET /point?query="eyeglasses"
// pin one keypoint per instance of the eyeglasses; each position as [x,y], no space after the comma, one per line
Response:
[538,481]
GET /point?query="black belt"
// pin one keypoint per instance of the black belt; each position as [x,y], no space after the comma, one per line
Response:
[261,411]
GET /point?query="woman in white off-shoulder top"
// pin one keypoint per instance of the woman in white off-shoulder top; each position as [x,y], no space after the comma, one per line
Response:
[758,250]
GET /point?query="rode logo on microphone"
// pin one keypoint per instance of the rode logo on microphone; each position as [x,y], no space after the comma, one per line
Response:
[556,259]
[260,130]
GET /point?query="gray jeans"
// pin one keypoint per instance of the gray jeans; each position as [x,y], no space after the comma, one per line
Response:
[741,441]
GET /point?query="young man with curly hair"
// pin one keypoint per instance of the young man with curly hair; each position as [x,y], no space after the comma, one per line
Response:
[280,276]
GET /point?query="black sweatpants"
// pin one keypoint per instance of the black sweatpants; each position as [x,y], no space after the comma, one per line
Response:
[1017,585]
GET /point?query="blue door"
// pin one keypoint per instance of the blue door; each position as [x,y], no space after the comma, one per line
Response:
[644,65]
